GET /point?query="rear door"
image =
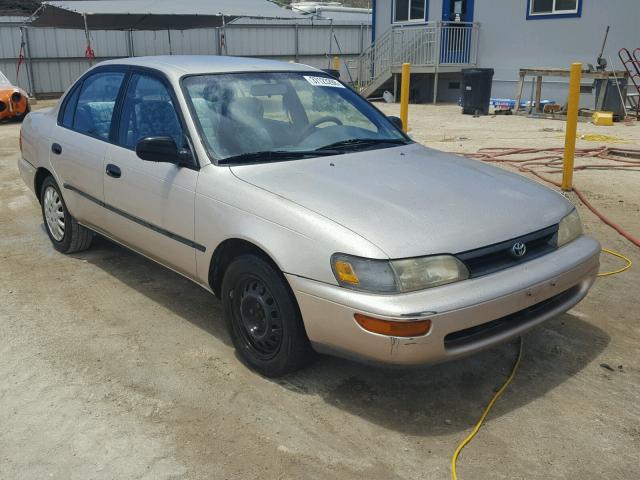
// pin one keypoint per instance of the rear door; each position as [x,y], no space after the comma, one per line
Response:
[80,141]
[150,206]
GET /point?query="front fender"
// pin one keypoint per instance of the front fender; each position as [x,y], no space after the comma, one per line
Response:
[298,240]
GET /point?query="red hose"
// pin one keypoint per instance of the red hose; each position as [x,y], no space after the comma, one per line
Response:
[552,159]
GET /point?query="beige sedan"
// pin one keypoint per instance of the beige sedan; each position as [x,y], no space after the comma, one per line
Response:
[319,224]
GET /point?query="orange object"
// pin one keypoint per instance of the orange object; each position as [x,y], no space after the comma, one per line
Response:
[409,328]
[14,102]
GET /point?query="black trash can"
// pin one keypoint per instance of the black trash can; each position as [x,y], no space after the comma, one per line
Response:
[476,90]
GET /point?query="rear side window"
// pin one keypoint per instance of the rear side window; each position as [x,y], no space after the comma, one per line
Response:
[70,108]
[96,103]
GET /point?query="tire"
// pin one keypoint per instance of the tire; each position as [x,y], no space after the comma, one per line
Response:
[68,236]
[263,318]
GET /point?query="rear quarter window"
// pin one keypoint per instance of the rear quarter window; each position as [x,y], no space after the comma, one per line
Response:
[70,108]
[96,102]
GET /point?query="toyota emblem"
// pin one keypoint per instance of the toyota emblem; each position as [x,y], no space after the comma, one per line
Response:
[518,249]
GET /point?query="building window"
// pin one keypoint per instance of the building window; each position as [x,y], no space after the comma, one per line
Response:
[409,10]
[553,8]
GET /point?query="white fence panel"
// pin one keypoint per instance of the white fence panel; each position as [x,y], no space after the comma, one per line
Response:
[55,77]
[9,42]
[259,41]
[198,41]
[147,42]
[57,56]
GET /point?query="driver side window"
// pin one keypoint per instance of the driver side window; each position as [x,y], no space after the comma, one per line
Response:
[148,111]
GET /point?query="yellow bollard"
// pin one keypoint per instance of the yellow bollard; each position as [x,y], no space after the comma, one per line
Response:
[572,126]
[404,96]
[335,65]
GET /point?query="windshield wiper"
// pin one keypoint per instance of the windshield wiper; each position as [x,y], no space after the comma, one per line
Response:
[275,155]
[362,142]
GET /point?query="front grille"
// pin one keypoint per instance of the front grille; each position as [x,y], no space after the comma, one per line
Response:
[470,336]
[493,258]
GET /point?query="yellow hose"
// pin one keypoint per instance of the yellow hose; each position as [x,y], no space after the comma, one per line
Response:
[497,395]
[485,413]
[620,270]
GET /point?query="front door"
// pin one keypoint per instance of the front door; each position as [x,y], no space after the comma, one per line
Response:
[150,204]
[457,16]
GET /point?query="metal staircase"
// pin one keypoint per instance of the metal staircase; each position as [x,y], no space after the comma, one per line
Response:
[632,65]
[431,48]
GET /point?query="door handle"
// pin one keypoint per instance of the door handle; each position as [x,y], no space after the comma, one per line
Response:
[113,170]
[56,148]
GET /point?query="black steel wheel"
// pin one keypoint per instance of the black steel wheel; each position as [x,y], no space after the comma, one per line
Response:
[263,318]
[260,318]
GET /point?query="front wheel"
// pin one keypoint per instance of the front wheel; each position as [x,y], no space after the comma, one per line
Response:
[263,319]
[66,235]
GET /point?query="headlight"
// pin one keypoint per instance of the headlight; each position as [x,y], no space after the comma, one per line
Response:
[397,276]
[569,229]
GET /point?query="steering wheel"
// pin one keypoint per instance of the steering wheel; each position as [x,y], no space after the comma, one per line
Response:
[318,121]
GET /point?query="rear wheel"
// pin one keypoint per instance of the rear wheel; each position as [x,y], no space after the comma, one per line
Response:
[66,235]
[263,318]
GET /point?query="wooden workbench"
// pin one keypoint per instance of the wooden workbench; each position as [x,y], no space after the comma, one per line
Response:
[540,73]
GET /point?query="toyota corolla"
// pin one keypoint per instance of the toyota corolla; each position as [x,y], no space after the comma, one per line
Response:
[318,223]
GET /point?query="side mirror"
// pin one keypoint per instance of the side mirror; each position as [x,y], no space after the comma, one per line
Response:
[162,149]
[397,121]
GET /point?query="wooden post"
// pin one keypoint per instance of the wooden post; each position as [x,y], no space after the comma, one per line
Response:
[572,126]
[519,91]
[538,94]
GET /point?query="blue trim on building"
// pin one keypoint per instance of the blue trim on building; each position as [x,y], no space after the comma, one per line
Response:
[410,22]
[373,20]
[547,16]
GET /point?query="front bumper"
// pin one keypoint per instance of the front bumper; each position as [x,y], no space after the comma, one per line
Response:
[466,316]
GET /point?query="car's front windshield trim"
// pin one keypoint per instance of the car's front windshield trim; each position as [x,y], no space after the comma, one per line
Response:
[403,138]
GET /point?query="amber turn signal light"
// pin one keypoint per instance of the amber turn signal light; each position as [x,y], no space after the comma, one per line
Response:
[410,328]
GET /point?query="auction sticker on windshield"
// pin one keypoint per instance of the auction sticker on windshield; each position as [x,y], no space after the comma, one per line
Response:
[323,81]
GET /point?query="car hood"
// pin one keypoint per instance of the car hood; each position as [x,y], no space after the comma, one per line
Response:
[412,200]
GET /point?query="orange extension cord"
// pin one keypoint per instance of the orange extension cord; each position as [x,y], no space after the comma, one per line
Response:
[551,162]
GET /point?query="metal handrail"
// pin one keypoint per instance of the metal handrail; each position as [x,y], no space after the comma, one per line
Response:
[432,45]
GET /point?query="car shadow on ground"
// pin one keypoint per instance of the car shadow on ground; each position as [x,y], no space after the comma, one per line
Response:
[167,288]
[428,401]
[439,399]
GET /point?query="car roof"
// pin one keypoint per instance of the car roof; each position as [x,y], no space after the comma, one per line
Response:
[179,65]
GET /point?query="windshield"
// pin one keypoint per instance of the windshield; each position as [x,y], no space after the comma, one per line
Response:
[268,116]
[4,80]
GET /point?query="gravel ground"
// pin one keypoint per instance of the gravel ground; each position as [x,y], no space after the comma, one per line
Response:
[113,367]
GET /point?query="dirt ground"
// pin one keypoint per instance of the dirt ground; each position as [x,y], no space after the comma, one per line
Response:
[112,367]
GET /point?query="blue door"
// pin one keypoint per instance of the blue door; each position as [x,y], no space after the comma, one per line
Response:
[457,17]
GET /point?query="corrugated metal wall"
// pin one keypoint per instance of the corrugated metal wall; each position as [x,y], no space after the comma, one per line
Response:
[56,57]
